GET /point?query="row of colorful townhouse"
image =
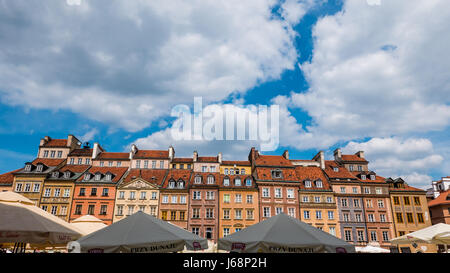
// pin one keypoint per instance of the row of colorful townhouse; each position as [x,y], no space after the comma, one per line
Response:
[213,197]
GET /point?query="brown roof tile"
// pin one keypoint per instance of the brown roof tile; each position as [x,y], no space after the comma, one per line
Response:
[118,172]
[236,162]
[81,152]
[182,160]
[442,199]
[272,160]
[213,159]
[265,173]
[177,174]
[154,176]
[56,143]
[151,154]
[48,162]
[312,174]
[342,172]
[353,158]
[114,156]
[7,178]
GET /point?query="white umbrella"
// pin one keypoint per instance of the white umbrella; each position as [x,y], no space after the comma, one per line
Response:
[371,248]
[435,234]
[88,224]
[22,222]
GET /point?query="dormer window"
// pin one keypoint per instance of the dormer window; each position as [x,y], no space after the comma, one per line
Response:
[308,183]
[359,168]
[67,175]
[72,161]
[40,167]
[277,174]
[198,180]
[350,167]
[210,179]
[363,177]
[108,177]
[45,153]
[171,184]
[248,182]
[237,181]
[319,183]
[87,176]
[226,181]
[97,177]
[180,184]
[336,169]
[372,177]
[28,167]
[55,174]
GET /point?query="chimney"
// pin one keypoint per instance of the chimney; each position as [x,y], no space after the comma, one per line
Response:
[286,154]
[360,154]
[171,153]
[195,157]
[220,158]
[133,151]
[96,151]
[44,140]
[319,157]
[337,154]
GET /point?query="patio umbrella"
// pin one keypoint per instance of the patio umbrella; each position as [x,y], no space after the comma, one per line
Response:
[438,234]
[22,222]
[372,248]
[283,234]
[88,224]
[142,233]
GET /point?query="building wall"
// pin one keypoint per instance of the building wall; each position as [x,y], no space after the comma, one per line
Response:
[203,222]
[64,151]
[124,163]
[62,203]
[177,208]
[34,196]
[198,166]
[77,158]
[185,166]
[142,163]
[97,201]
[272,203]
[233,223]
[248,169]
[440,214]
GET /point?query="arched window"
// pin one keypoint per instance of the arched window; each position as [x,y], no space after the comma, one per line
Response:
[226,181]
[248,182]
[319,183]
[210,179]
[237,181]
[198,180]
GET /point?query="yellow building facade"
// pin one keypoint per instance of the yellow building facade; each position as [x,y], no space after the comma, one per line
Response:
[235,168]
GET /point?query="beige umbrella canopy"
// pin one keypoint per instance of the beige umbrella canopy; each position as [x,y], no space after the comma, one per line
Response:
[438,234]
[22,222]
[88,224]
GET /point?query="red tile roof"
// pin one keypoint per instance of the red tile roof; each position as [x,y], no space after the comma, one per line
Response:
[56,143]
[237,162]
[442,199]
[7,178]
[265,173]
[213,159]
[114,156]
[182,160]
[154,176]
[342,172]
[177,174]
[151,154]
[118,172]
[312,174]
[204,176]
[81,152]
[353,158]
[406,188]
[272,160]
[378,179]
[48,162]
[75,168]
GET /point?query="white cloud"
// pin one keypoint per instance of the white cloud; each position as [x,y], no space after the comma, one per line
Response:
[377,71]
[125,63]
[410,158]
[89,135]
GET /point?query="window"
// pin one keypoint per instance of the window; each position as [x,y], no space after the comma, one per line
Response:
[399,217]
[45,153]
[305,199]
[318,214]
[105,192]
[138,164]
[97,177]
[278,193]
[346,217]
[182,216]
[409,217]
[277,174]
[28,167]
[27,187]
[108,177]
[88,161]
[360,168]
[57,192]
[319,183]
[238,198]
[54,210]
[336,169]
[212,168]
[316,199]
[385,236]
[307,184]
[210,179]
[366,190]
[209,195]
[174,199]
[196,195]
[380,203]
[131,210]
[249,199]
[161,164]
[406,200]
[47,192]
[373,236]
[360,235]
[40,167]
[36,187]
[143,195]
[356,203]
[265,192]
[396,200]
[342,189]
[266,212]
[72,161]
[153,164]
[290,193]
[278,210]
[181,184]
[382,218]
[78,209]
[154,195]
[420,217]
[91,209]
[164,215]
[242,171]
[153,212]
[121,194]
[226,214]
[195,213]
[182,199]
[171,184]
[55,174]
[119,210]
[348,235]
[363,177]
[238,214]
[226,198]
[350,167]
[165,199]
[93,191]
[226,232]
[103,209]
[226,181]
[67,175]
[198,180]
[358,217]
[44,208]
[329,199]
[87,176]
[291,212]
[344,202]
[306,214]
[196,230]
[248,182]
[59,154]
[63,210]
[173,215]
[231,171]
[417,201]
[66,193]
[119,163]
[102,164]
[331,215]
[237,181]
[82,191]
[379,191]
[80,161]
[145,164]
[332,231]
[204,169]
[226,170]
[52,154]
[209,233]
[370,217]
[369,203]
[250,214]
[132,195]
[372,177]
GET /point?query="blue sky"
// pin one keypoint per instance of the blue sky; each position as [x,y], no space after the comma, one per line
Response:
[345,73]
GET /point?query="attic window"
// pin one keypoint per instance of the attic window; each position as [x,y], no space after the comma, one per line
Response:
[319,183]
[180,184]
[97,177]
[28,167]
[67,175]
[276,174]
[308,183]
[55,174]
[40,167]
[198,180]
[336,169]
[226,181]
[87,176]
[363,177]
[359,168]
[372,177]
[249,182]
[109,177]
[171,184]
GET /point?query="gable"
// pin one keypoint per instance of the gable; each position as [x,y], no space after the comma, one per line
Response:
[138,183]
